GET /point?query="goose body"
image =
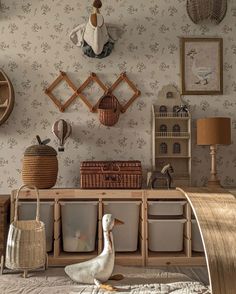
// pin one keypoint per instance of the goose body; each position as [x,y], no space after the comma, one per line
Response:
[99,269]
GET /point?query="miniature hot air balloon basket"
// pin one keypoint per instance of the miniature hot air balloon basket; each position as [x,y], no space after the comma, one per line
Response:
[62,130]
[40,166]
[109,110]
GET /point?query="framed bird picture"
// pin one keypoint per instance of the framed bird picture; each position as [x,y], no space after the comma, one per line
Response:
[202,66]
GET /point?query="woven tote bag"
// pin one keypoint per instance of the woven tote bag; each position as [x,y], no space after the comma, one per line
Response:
[26,242]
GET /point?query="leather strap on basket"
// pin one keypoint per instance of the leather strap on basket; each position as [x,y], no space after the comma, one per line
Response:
[111,179]
[17,198]
[110,167]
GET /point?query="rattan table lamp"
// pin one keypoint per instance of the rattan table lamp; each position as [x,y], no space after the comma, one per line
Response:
[213,131]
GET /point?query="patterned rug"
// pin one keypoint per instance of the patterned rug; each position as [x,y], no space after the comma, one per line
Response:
[136,281]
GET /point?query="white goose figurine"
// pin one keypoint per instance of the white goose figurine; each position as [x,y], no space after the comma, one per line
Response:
[99,269]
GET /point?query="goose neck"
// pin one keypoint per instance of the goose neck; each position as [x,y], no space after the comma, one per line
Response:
[108,242]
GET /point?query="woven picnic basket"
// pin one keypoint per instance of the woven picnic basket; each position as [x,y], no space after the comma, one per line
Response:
[26,242]
[108,110]
[111,175]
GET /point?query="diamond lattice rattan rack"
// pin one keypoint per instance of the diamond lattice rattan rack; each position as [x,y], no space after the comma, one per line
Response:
[78,92]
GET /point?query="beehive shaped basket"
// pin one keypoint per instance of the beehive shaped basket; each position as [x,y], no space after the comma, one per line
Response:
[40,166]
[109,110]
[26,242]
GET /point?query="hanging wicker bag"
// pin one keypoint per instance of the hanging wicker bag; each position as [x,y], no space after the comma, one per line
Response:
[109,110]
[200,10]
[26,242]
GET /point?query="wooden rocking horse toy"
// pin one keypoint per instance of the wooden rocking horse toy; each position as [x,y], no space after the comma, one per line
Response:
[164,174]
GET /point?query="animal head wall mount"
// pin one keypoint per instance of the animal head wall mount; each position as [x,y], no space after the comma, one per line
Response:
[96,38]
[108,106]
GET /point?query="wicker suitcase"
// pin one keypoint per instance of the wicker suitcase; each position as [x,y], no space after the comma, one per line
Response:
[111,175]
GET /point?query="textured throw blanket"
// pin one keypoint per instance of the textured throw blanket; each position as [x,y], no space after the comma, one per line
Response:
[136,281]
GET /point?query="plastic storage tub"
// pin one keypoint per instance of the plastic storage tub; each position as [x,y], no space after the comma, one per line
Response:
[79,225]
[165,235]
[126,235]
[196,238]
[27,211]
[166,208]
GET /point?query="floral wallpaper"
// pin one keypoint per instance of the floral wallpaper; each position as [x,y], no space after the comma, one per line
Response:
[35,45]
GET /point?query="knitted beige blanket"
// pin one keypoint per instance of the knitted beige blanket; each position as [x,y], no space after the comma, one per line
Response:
[136,281]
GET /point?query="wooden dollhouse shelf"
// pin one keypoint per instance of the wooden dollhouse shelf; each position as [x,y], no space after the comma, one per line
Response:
[171,137]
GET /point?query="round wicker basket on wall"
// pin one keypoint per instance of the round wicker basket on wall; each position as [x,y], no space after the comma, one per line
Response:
[40,166]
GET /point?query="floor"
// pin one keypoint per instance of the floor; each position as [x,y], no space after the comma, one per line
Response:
[137,280]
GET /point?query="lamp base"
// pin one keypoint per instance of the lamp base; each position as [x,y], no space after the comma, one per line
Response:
[214,184]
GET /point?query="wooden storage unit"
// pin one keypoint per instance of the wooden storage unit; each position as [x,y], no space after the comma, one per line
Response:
[171,136]
[60,258]
[142,256]
[4,221]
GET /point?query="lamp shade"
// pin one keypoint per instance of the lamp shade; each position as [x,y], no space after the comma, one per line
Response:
[214,130]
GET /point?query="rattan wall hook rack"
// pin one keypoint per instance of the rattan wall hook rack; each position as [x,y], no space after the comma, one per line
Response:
[108,106]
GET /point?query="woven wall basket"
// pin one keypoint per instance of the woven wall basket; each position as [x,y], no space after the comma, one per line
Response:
[200,10]
[40,166]
[108,110]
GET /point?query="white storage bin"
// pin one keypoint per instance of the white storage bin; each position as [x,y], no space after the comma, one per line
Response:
[165,234]
[196,238]
[160,208]
[79,225]
[27,211]
[126,235]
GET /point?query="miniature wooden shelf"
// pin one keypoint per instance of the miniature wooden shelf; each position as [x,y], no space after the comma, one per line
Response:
[171,156]
[142,256]
[7,97]
[171,135]
[171,115]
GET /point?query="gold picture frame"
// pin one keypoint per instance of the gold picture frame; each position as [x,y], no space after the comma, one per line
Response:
[201,66]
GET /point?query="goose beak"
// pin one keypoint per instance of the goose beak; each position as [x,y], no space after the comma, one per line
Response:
[118,222]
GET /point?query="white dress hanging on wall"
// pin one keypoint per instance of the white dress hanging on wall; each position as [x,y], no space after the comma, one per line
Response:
[96,41]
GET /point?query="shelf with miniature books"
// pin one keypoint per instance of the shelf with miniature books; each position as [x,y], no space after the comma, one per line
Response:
[144,251]
[171,135]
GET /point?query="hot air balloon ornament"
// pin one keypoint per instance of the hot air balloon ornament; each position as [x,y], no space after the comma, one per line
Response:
[62,130]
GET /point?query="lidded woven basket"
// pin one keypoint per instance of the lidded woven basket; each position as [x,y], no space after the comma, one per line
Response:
[40,166]
[109,110]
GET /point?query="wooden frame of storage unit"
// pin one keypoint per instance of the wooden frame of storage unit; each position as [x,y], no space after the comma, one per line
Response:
[142,256]
[4,221]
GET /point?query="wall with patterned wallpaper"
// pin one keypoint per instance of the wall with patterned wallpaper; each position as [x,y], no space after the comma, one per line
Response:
[35,45]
